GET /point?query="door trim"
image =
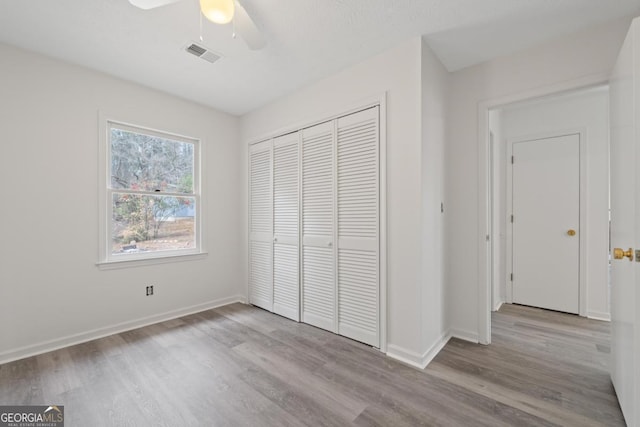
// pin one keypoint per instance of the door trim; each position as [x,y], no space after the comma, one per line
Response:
[583,231]
[485,262]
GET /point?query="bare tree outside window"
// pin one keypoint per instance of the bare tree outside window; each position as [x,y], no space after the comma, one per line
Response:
[153,206]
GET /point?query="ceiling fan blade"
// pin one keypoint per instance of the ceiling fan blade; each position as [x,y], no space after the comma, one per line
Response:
[151,4]
[246,28]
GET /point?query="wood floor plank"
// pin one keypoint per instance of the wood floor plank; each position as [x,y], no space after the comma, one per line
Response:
[240,365]
[425,396]
[300,379]
[533,372]
[20,383]
[244,317]
[547,410]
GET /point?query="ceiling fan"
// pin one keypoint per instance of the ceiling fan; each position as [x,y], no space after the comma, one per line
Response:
[220,12]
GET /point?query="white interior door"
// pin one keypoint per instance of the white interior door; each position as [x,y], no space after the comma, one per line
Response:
[546,218]
[358,201]
[625,226]
[286,285]
[318,258]
[261,226]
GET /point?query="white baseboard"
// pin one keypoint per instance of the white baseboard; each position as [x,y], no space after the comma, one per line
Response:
[497,306]
[435,349]
[58,343]
[415,359]
[597,315]
[464,335]
[409,357]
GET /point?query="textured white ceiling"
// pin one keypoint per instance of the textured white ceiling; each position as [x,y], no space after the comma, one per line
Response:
[307,39]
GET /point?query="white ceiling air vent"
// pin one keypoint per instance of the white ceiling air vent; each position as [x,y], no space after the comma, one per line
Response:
[202,52]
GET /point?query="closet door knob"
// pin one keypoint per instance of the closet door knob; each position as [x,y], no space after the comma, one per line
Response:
[621,253]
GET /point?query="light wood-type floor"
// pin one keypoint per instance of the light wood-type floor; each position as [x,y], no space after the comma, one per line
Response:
[242,366]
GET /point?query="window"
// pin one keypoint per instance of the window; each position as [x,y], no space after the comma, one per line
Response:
[151,198]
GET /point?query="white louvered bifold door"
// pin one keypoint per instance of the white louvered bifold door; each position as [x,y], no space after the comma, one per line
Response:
[358,224]
[260,226]
[286,284]
[318,259]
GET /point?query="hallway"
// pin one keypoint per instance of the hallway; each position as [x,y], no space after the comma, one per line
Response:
[548,364]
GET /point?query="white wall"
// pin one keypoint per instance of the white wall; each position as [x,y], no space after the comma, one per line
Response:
[559,63]
[400,72]
[51,291]
[435,90]
[583,111]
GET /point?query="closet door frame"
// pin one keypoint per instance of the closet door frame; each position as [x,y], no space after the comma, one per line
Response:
[333,114]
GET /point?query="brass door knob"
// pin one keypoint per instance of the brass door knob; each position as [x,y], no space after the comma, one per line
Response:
[620,253]
[571,232]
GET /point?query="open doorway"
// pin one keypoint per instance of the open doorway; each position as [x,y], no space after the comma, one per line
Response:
[577,118]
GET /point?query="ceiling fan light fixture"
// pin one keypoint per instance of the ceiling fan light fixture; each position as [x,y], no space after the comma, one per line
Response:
[218,11]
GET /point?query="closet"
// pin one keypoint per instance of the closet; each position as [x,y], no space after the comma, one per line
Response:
[314,225]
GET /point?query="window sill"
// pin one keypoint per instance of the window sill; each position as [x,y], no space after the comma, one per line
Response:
[141,262]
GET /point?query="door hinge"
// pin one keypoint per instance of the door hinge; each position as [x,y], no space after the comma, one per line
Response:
[512,277]
[513,159]
[511,219]
[487,238]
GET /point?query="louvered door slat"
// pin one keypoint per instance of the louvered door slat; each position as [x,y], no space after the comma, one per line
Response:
[286,296]
[260,274]
[285,280]
[260,226]
[318,258]
[358,226]
[319,289]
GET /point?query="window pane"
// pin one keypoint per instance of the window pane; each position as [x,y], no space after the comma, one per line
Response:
[150,163]
[152,223]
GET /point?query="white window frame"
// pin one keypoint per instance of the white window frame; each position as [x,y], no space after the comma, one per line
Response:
[108,260]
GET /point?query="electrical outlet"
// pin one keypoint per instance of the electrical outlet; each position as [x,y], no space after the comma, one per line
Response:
[149,290]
